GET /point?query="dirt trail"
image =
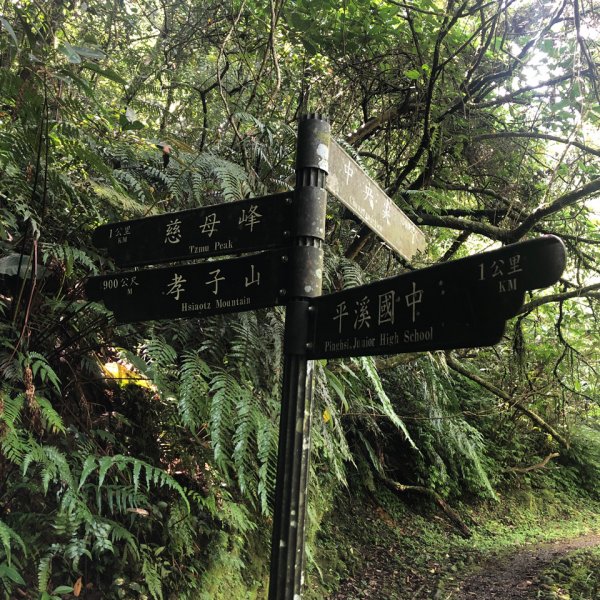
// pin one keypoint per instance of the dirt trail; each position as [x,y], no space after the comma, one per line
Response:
[515,576]
[507,578]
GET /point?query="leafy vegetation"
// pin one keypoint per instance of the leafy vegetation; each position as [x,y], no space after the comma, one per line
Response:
[139,460]
[572,577]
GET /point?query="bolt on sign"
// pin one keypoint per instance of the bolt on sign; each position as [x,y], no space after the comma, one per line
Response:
[228,228]
[348,182]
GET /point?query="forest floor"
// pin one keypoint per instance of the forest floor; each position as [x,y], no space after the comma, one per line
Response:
[374,550]
[520,575]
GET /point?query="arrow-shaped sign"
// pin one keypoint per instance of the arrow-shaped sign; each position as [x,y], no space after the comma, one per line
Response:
[229,228]
[463,303]
[196,290]
[348,182]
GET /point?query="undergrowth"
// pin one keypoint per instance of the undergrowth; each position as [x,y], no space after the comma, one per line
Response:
[573,577]
[375,542]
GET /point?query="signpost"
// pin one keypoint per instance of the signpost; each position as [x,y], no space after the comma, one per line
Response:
[229,228]
[463,303]
[348,182]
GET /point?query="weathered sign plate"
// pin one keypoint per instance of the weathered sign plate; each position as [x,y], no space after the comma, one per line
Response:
[195,290]
[229,228]
[348,182]
[463,303]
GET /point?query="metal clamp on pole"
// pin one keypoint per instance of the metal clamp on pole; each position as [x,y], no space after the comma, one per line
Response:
[305,282]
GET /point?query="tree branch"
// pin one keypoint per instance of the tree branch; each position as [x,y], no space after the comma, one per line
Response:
[563,201]
[491,231]
[454,517]
[454,364]
[368,128]
[524,90]
[584,291]
[539,465]
[535,135]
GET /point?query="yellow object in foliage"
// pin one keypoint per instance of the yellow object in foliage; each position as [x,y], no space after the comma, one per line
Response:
[124,375]
[326,416]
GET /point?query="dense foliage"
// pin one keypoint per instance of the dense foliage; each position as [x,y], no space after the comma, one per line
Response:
[138,460]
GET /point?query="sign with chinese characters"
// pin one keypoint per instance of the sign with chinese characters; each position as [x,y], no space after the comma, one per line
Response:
[459,304]
[229,228]
[195,290]
[348,182]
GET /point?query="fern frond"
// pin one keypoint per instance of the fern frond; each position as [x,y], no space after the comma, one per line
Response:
[123,496]
[50,417]
[157,351]
[131,183]
[11,409]
[119,533]
[193,390]
[225,390]
[152,577]
[231,178]
[15,445]
[266,443]
[89,465]
[75,550]
[54,465]
[243,451]
[352,274]
[122,202]
[368,364]
[247,345]
[40,366]
[8,537]
[68,256]
[45,567]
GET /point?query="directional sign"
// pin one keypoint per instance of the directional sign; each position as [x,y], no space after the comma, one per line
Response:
[348,182]
[195,290]
[229,228]
[463,303]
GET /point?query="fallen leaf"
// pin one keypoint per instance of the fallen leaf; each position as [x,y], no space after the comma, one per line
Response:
[77,588]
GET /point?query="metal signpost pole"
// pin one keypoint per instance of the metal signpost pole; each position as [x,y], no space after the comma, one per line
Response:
[287,542]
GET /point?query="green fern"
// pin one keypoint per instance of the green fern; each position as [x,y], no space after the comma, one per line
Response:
[123,497]
[368,364]
[266,444]
[15,444]
[11,409]
[231,178]
[8,537]
[158,364]
[158,352]
[193,390]
[45,566]
[40,367]
[68,256]
[222,414]
[118,533]
[329,436]
[243,440]
[124,204]
[152,577]
[132,184]
[182,529]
